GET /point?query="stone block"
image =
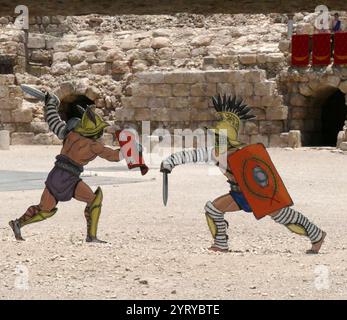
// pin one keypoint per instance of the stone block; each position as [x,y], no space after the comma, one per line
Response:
[150,77]
[162,90]
[81,66]
[254,101]
[271,101]
[201,41]
[181,53]
[142,114]
[331,80]
[217,76]
[36,41]
[99,68]
[155,102]
[277,113]
[4,92]
[39,127]
[22,115]
[305,90]
[93,93]
[199,102]
[181,90]
[244,89]
[248,58]
[22,138]
[261,58]
[137,102]
[43,139]
[76,56]
[299,113]
[64,46]
[298,100]
[343,86]
[202,115]
[297,124]
[5,116]
[264,88]
[160,42]
[343,146]
[89,45]
[226,88]
[270,127]
[259,113]
[284,45]
[203,89]
[179,102]
[7,79]
[120,67]
[275,57]
[251,127]
[255,76]
[165,53]
[258,138]
[60,68]
[294,139]
[276,140]
[184,77]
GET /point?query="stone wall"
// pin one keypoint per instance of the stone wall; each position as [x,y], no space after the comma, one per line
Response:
[305,91]
[162,68]
[180,97]
[80,7]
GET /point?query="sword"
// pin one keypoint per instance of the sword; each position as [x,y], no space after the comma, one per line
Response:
[38,94]
[165,188]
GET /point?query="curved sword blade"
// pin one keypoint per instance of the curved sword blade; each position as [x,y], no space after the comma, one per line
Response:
[165,188]
[38,94]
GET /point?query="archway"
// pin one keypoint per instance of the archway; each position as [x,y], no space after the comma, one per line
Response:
[67,109]
[333,116]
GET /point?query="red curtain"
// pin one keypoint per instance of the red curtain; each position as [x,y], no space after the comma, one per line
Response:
[321,49]
[340,48]
[300,50]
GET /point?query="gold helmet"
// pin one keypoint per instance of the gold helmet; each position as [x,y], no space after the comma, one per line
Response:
[91,124]
[232,111]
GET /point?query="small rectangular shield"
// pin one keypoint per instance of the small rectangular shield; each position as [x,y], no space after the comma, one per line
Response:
[131,149]
[300,50]
[259,180]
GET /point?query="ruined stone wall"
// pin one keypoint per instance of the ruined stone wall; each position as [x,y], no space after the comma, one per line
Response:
[161,68]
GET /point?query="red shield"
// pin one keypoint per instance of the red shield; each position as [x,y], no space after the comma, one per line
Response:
[340,49]
[259,180]
[300,50]
[131,149]
[321,49]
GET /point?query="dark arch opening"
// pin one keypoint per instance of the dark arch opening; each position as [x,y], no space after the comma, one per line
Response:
[67,108]
[333,116]
[6,65]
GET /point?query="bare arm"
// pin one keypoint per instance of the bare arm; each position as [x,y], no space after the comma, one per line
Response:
[106,153]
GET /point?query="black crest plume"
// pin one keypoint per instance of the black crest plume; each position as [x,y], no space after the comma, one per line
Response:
[232,104]
[90,114]
[80,110]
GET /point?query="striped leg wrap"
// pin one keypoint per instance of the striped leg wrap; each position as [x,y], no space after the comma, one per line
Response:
[288,217]
[218,226]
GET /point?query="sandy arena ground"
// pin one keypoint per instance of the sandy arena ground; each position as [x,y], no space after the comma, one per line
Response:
[157,252]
